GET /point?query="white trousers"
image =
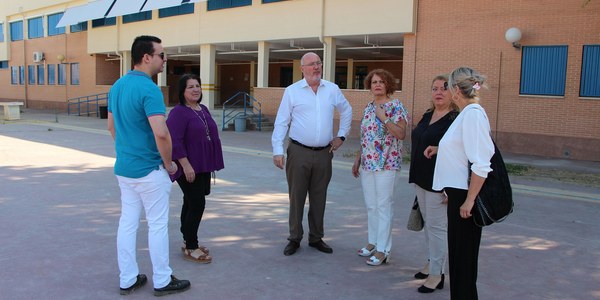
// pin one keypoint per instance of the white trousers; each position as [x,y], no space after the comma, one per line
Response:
[436,228]
[151,193]
[378,189]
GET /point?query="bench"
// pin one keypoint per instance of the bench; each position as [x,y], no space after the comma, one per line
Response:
[12,110]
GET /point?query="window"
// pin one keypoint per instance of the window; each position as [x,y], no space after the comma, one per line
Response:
[104,22]
[31,74]
[51,74]
[176,10]
[79,27]
[52,22]
[40,73]
[16,31]
[14,74]
[544,70]
[3,64]
[1,32]
[590,72]
[218,4]
[62,74]
[35,28]
[75,74]
[21,75]
[141,16]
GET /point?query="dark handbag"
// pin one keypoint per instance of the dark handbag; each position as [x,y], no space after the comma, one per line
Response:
[415,219]
[494,202]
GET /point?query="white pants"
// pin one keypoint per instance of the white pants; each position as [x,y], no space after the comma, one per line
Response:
[378,189]
[436,228]
[151,193]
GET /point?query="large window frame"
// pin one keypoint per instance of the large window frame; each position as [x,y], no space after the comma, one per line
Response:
[35,28]
[53,20]
[31,74]
[14,75]
[16,31]
[51,74]
[75,74]
[41,74]
[21,75]
[590,72]
[137,17]
[104,22]
[82,26]
[183,9]
[543,70]
[62,74]
[223,4]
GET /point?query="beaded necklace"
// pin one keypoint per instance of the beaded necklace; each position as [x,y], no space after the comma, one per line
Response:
[203,119]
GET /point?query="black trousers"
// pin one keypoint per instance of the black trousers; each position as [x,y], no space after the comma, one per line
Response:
[463,248]
[194,202]
[307,172]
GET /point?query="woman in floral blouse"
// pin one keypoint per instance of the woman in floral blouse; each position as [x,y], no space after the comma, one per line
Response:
[382,130]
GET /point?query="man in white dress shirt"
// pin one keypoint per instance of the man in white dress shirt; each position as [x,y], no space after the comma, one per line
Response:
[307,110]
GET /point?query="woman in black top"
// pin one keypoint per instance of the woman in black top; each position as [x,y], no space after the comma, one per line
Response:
[432,204]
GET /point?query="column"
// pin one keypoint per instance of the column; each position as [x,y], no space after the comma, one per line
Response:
[350,74]
[125,62]
[329,59]
[208,56]
[262,79]
[297,75]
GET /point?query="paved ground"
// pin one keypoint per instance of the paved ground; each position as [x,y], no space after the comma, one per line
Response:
[59,208]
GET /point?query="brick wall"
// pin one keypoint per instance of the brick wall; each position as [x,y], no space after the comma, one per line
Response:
[471,33]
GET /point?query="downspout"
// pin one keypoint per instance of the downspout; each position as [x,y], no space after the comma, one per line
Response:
[322,33]
[415,64]
[26,79]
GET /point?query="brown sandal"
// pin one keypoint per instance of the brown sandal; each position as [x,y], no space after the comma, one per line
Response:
[197,255]
[204,249]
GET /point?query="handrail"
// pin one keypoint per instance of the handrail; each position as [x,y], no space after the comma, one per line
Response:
[96,100]
[232,108]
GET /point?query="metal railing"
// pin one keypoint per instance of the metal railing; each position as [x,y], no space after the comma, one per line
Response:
[242,104]
[87,105]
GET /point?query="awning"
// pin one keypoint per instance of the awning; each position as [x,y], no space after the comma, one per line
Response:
[100,9]
[158,4]
[90,11]
[125,7]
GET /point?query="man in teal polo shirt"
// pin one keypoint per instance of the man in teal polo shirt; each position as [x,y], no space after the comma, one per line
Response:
[136,121]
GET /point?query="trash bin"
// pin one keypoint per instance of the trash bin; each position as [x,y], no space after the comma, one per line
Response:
[103,112]
[240,123]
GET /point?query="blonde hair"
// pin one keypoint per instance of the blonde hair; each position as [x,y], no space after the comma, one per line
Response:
[467,80]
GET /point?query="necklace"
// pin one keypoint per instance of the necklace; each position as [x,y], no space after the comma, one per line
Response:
[203,119]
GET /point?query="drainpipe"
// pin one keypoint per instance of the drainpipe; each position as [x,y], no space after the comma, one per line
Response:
[120,63]
[24,58]
[322,33]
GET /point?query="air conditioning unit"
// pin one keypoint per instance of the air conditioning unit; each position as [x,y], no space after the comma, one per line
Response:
[38,56]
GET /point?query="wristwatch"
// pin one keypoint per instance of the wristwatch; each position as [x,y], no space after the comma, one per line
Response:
[343,138]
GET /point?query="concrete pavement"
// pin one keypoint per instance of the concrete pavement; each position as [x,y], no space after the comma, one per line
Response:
[59,209]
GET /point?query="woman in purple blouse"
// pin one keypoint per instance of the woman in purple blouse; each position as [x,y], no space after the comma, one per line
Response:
[197,152]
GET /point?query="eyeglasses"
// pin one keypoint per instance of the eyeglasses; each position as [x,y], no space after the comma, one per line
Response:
[377,81]
[314,64]
[162,55]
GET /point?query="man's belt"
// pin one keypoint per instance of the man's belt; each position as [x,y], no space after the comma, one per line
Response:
[308,147]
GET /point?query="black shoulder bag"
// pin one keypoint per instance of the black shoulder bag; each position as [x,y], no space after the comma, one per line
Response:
[494,202]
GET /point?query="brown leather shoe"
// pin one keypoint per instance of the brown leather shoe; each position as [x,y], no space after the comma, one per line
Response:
[291,248]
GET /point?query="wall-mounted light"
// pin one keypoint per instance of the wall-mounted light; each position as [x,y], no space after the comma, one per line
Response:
[61,58]
[513,35]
